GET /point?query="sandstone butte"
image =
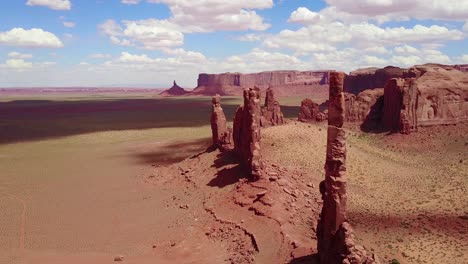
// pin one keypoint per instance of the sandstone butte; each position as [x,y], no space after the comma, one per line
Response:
[394,99]
[283,82]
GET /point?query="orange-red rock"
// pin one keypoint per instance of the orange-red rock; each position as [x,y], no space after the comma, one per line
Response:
[247,133]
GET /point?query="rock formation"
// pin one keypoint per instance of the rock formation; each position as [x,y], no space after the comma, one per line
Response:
[438,97]
[247,133]
[335,239]
[271,111]
[234,83]
[175,90]
[308,111]
[371,78]
[221,134]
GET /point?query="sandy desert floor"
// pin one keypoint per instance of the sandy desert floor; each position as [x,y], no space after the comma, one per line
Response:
[118,184]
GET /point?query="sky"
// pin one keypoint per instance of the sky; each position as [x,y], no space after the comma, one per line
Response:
[150,43]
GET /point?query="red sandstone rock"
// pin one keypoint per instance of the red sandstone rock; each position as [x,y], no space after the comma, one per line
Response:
[234,83]
[309,110]
[175,90]
[221,134]
[335,237]
[247,133]
[271,111]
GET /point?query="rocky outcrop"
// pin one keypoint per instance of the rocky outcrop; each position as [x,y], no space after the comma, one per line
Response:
[175,90]
[461,67]
[246,133]
[234,83]
[271,111]
[335,239]
[309,111]
[438,97]
[221,134]
[371,78]
[442,95]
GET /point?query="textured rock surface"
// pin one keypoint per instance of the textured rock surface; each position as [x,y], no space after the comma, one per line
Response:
[221,134]
[365,106]
[247,133]
[308,111]
[234,83]
[335,239]
[371,78]
[442,95]
[271,111]
[438,97]
[175,90]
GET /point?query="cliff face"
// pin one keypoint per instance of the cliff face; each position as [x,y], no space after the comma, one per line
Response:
[427,95]
[234,83]
[360,80]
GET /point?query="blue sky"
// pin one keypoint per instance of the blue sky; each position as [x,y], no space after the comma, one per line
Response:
[148,43]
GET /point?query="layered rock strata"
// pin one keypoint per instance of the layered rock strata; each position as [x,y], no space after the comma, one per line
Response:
[335,239]
[247,133]
[234,83]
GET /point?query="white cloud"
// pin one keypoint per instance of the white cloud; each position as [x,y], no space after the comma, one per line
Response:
[397,9]
[68,24]
[100,56]
[34,37]
[304,16]
[465,26]
[149,34]
[20,65]
[260,60]
[52,4]
[463,59]
[130,2]
[406,49]
[323,33]
[18,55]
[251,37]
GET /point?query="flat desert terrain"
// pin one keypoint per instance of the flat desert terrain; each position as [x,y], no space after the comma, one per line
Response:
[97,178]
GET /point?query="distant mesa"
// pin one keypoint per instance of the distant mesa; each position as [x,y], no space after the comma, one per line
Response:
[175,90]
[282,82]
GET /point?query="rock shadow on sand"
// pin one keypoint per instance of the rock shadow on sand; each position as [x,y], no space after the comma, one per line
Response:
[230,171]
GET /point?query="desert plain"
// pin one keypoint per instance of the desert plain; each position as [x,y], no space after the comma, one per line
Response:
[131,177]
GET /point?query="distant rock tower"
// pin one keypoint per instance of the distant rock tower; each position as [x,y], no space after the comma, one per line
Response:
[334,234]
[271,111]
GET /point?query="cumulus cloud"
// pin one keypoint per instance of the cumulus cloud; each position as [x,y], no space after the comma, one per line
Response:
[149,34]
[322,33]
[397,9]
[18,55]
[19,64]
[213,15]
[34,37]
[52,4]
